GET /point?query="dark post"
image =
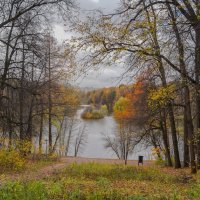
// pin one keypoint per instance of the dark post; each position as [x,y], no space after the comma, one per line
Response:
[46,146]
[140,160]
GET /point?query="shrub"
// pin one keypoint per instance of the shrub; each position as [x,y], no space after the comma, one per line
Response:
[103,182]
[116,172]
[26,191]
[86,115]
[160,162]
[92,115]
[11,160]
[24,147]
[194,192]
[97,115]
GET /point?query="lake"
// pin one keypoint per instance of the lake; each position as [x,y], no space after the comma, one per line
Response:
[94,148]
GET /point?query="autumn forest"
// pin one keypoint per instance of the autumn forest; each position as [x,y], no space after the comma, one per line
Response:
[99,99]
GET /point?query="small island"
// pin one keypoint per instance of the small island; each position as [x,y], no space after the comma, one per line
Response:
[95,113]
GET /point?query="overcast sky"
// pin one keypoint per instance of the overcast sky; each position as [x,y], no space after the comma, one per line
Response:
[108,76]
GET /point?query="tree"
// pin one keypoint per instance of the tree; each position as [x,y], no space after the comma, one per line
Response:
[123,141]
[80,140]
[27,79]
[137,32]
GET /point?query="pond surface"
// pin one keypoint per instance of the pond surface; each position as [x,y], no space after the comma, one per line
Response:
[94,148]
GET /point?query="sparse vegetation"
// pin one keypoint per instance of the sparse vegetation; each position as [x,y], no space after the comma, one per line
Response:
[153,45]
[11,160]
[92,181]
[91,113]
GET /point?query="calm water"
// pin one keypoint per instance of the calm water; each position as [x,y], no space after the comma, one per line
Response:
[94,148]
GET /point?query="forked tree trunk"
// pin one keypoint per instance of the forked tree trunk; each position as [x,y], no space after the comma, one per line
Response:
[188,123]
[165,138]
[153,31]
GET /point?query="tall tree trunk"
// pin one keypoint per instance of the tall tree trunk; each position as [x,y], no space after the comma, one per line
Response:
[41,127]
[30,122]
[58,134]
[10,137]
[153,32]
[163,126]
[188,123]
[50,100]
[186,157]
[21,97]
[197,72]
[177,163]
[71,126]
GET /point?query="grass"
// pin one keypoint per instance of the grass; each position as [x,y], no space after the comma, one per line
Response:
[92,181]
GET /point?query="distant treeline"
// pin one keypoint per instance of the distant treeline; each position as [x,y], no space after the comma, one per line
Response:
[106,96]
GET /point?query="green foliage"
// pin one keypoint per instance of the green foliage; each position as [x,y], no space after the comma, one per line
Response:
[23,191]
[115,172]
[39,191]
[93,114]
[92,181]
[23,146]
[103,182]
[194,191]
[160,161]
[104,110]
[123,108]
[136,198]
[103,97]
[97,114]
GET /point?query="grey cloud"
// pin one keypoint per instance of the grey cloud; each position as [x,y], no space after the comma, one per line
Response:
[107,76]
[105,5]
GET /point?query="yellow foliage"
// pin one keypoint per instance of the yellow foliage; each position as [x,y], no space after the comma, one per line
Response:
[11,160]
[123,108]
[53,157]
[161,97]
[23,147]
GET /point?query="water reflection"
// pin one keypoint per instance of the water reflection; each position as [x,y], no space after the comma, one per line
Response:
[94,147]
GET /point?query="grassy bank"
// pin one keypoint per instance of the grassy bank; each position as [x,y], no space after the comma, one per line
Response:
[96,114]
[104,181]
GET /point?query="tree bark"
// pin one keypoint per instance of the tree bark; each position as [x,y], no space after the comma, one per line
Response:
[165,138]
[50,99]
[186,157]
[153,26]
[188,123]
[21,96]
[197,72]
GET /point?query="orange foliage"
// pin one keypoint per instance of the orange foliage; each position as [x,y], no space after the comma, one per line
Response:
[126,107]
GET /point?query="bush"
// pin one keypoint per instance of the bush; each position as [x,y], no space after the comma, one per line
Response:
[116,172]
[194,191]
[39,191]
[20,191]
[92,115]
[11,160]
[97,115]
[24,147]
[86,115]
[160,162]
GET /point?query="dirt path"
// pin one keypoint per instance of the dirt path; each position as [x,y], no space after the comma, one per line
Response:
[102,160]
[47,171]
